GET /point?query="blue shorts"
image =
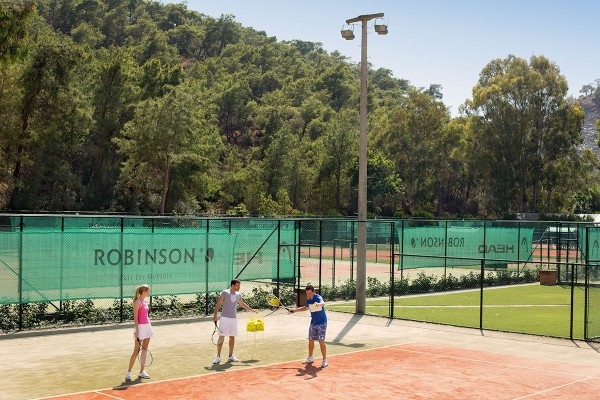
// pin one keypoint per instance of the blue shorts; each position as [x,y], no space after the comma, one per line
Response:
[317,332]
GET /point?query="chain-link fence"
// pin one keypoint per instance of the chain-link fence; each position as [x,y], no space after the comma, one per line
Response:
[512,276]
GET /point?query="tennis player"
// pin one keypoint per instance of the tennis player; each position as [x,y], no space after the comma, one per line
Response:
[229,298]
[142,329]
[318,324]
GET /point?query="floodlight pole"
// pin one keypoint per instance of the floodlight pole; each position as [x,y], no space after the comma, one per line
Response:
[361,247]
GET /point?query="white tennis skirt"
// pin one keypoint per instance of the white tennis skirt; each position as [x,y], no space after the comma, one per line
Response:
[145,331]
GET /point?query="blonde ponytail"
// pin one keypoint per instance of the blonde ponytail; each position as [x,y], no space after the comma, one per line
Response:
[138,292]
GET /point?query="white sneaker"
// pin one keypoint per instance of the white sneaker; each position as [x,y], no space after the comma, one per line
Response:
[324,363]
[217,360]
[128,376]
[309,360]
[144,375]
[232,358]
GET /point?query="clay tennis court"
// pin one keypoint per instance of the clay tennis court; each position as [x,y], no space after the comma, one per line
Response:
[368,357]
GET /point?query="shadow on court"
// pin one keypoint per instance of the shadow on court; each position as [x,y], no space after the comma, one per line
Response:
[127,384]
[308,371]
[229,365]
[345,330]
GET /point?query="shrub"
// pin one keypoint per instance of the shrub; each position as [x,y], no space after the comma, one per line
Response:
[375,288]
[469,281]
[448,282]
[401,286]
[423,283]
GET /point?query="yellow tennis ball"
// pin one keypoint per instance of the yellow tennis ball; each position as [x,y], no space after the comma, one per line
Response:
[255,325]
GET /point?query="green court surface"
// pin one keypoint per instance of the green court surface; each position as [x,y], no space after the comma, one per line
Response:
[534,309]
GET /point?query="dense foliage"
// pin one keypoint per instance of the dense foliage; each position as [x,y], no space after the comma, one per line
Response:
[141,107]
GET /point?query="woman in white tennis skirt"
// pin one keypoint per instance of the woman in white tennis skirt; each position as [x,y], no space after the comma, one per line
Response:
[143,329]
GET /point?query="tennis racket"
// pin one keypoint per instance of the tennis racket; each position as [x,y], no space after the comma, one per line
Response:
[144,355]
[273,301]
[217,335]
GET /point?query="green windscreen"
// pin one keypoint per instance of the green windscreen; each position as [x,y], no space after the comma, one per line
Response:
[592,240]
[100,264]
[255,256]
[264,248]
[471,243]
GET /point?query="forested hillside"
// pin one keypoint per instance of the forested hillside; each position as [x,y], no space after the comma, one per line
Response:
[140,107]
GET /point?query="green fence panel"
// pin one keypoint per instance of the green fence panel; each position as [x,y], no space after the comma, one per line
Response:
[9,267]
[80,265]
[257,250]
[441,241]
[593,283]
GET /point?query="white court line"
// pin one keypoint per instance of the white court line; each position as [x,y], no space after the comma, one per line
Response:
[493,362]
[98,391]
[553,388]
[400,306]
[108,395]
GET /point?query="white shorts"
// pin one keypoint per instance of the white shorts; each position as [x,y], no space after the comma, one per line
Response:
[228,326]
[145,331]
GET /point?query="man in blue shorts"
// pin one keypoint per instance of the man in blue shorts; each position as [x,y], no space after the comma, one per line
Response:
[318,324]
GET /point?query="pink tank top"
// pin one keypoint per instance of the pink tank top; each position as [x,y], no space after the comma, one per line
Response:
[143,313]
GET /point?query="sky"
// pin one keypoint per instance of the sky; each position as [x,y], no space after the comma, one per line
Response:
[436,41]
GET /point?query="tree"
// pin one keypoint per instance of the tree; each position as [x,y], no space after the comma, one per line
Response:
[47,100]
[340,147]
[10,109]
[384,186]
[165,133]
[526,129]
[114,94]
[412,135]
[587,90]
[219,33]
[14,19]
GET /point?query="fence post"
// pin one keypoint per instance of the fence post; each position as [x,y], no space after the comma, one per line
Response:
[587,281]
[121,262]
[298,244]
[481,292]
[445,248]
[481,277]
[320,252]
[206,260]
[559,249]
[278,254]
[519,246]
[333,262]
[392,286]
[572,300]
[352,253]
[401,257]
[21,273]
